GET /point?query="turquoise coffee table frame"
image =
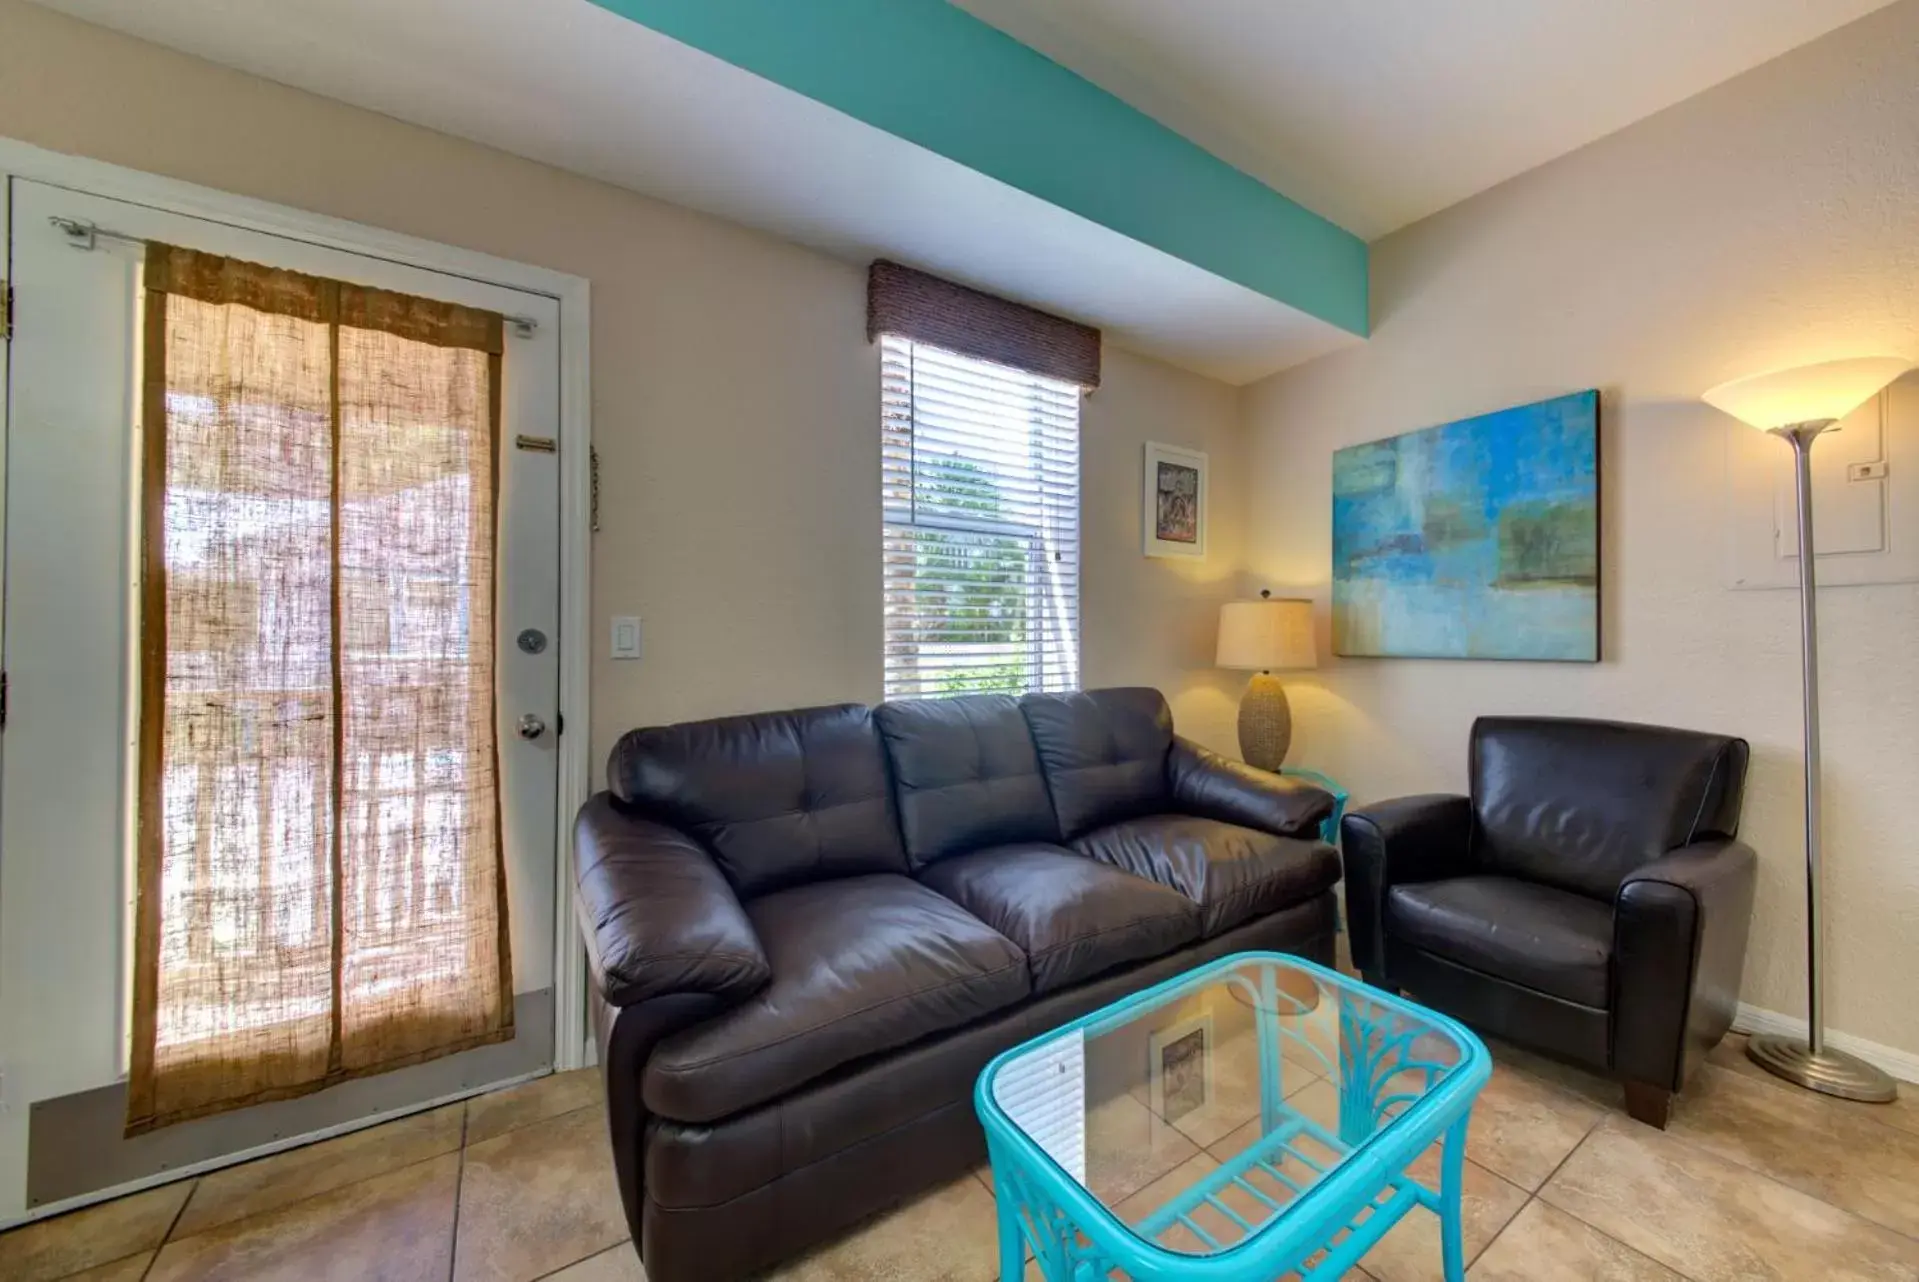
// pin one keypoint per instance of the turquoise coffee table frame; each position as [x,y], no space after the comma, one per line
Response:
[1382,1130]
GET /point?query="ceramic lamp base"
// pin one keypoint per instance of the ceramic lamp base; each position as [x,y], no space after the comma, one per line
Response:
[1265,722]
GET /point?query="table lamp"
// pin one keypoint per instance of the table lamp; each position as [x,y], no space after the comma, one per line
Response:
[1797,405]
[1266,635]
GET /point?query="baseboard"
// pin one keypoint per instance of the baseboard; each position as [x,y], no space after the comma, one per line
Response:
[1903,1065]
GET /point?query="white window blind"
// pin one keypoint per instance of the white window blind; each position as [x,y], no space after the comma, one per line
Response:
[980,487]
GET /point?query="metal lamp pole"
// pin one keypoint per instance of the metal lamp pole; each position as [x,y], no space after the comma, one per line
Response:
[1809,1061]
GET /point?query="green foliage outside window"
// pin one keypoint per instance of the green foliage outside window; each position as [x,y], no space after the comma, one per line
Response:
[972,589]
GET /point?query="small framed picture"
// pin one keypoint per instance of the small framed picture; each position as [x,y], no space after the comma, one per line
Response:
[1179,1070]
[1173,519]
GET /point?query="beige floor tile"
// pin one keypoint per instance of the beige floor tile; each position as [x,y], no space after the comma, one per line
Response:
[1803,1140]
[396,1227]
[949,1235]
[1522,1128]
[1169,1187]
[498,1112]
[285,1178]
[1544,1244]
[131,1269]
[1902,1112]
[1128,1148]
[1713,1220]
[96,1235]
[537,1199]
[1410,1250]
[616,1264]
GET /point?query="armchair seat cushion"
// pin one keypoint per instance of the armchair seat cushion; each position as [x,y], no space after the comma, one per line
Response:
[1233,873]
[1554,941]
[860,965]
[1075,917]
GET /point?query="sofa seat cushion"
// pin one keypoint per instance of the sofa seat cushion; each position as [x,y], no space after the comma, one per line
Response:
[1550,940]
[1074,917]
[860,965]
[1234,874]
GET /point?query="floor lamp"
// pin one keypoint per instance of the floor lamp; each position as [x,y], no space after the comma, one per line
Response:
[1799,404]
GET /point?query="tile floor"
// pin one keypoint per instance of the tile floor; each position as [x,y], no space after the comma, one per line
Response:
[1753,1181]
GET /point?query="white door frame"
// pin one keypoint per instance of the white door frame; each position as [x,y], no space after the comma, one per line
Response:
[572,1044]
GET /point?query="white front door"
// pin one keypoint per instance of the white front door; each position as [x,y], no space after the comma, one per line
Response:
[71,630]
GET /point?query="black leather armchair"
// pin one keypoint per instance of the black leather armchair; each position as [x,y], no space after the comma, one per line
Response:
[1588,899]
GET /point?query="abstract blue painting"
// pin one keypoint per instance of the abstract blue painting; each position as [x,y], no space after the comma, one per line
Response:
[1474,540]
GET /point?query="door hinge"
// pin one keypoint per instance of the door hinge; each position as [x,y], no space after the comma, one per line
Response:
[6,311]
[559,721]
[3,700]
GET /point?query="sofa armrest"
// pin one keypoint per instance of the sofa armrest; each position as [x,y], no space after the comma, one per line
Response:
[1214,787]
[1422,838]
[1679,948]
[658,915]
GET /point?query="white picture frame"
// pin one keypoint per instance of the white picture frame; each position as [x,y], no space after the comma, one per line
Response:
[1174,489]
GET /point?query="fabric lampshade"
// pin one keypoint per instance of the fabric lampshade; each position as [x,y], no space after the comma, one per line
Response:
[1268,634]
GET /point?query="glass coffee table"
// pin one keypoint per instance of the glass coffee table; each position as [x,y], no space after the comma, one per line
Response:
[1260,1116]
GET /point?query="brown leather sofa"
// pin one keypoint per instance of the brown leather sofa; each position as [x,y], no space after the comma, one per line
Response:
[1589,899]
[810,930]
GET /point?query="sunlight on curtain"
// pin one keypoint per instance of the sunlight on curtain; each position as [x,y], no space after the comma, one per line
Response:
[321,893]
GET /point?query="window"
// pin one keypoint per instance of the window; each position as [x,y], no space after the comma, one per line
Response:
[979,478]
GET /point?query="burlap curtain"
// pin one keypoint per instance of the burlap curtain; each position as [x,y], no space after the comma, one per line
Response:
[320,884]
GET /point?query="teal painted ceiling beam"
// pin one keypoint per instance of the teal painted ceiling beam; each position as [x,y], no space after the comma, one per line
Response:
[936,76]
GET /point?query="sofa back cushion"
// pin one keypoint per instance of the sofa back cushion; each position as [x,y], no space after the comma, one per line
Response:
[965,775]
[779,798]
[1580,804]
[1104,754]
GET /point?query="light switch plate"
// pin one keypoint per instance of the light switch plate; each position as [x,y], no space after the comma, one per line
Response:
[626,636]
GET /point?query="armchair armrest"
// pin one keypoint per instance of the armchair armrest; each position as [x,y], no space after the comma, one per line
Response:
[658,915]
[1215,787]
[1422,838]
[1679,947]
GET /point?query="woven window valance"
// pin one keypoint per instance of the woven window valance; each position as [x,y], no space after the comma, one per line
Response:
[926,309]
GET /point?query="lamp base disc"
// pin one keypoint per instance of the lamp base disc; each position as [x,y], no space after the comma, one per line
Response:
[1829,1072]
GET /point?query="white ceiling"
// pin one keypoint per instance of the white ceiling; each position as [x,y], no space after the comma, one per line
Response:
[1375,113]
[1372,112]
[570,84]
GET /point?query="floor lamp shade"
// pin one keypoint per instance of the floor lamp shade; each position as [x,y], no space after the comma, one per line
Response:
[1797,405]
[1823,393]
[1265,636]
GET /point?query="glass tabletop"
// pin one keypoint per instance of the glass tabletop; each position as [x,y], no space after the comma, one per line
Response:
[1200,1112]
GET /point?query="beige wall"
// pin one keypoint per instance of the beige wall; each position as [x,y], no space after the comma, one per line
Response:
[1152,622]
[735,398]
[1769,222]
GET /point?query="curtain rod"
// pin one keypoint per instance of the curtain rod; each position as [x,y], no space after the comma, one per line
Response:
[83,235]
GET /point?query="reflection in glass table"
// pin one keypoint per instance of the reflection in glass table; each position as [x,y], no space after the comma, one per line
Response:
[1253,1118]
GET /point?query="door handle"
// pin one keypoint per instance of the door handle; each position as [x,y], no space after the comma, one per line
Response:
[531,726]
